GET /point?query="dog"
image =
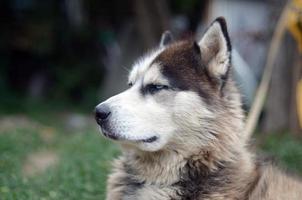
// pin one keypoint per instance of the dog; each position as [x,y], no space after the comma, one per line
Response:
[181,128]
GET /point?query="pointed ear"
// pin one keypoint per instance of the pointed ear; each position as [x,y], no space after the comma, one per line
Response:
[166,38]
[215,48]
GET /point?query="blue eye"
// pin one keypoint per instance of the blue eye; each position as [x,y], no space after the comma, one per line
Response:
[153,88]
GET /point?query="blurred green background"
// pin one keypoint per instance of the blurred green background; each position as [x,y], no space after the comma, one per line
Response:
[60,58]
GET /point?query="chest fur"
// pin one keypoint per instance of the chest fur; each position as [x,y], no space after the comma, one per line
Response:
[123,186]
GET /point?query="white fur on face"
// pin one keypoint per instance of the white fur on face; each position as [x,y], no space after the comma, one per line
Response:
[192,118]
[154,76]
[135,117]
[143,64]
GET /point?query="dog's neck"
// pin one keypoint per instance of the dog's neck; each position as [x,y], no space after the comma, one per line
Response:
[202,171]
[161,167]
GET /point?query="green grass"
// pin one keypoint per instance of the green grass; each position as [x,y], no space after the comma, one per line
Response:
[287,150]
[84,159]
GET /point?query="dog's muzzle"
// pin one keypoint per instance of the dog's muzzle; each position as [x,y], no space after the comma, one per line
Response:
[102,117]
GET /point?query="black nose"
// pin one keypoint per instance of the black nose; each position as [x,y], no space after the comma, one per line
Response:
[102,112]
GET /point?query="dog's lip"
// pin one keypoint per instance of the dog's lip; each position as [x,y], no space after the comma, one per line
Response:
[114,136]
[109,135]
[149,140]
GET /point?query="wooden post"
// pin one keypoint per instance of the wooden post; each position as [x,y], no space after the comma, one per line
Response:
[294,125]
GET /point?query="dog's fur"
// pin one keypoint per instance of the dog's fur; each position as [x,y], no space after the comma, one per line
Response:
[181,128]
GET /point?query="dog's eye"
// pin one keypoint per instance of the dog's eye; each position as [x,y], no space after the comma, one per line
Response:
[130,84]
[153,88]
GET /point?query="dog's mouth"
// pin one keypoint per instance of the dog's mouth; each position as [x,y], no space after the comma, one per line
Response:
[149,140]
[117,137]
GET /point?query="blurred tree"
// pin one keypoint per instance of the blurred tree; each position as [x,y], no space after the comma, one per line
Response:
[62,50]
[153,17]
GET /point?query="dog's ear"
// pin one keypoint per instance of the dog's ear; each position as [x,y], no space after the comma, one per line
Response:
[166,39]
[215,49]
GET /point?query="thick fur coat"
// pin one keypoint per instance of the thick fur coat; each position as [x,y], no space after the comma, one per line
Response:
[181,129]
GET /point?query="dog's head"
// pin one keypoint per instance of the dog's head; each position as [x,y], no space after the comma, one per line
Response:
[177,93]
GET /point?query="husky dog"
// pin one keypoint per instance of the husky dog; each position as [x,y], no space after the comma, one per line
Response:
[181,128]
